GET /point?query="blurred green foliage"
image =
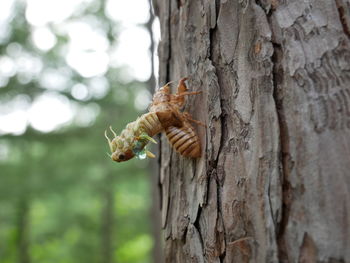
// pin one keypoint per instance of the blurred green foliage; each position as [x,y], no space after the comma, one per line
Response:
[61,198]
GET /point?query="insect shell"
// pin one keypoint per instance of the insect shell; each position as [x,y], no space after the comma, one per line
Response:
[182,138]
[164,115]
[134,138]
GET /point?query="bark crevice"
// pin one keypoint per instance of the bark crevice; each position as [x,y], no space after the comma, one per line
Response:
[169,50]
[196,224]
[344,13]
[213,172]
[285,159]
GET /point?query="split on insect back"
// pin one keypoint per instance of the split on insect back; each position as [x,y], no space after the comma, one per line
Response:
[164,116]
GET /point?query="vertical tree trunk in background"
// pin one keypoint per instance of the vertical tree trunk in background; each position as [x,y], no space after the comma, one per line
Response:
[23,226]
[107,219]
[273,184]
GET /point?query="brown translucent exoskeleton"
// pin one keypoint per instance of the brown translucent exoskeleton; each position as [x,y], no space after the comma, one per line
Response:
[183,137]
[164,115]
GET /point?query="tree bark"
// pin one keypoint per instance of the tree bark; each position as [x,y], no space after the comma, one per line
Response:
[273,183]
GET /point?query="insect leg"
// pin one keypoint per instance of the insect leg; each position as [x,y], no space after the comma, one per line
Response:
[182,86]
[109,142]
[189,93]
[167,84]
[115,135]
[144,136]
[150,155]
[182,91]
[189,118]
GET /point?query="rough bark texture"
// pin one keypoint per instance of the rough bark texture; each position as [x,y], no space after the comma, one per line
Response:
[273,184]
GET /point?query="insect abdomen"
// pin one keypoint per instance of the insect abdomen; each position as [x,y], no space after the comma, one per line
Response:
[184,140]
[150,123]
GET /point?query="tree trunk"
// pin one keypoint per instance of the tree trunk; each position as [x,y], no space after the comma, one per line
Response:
[107,219]
[273,183]
[23,225]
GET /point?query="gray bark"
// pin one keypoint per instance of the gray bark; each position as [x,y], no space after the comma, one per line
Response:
[273,184]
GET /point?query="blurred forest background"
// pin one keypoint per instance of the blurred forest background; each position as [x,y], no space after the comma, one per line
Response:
[68,70]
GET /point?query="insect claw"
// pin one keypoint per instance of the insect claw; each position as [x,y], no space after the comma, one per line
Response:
[169,83]
[115,135]
[152,140]
[181,81]
[150,155]
[145,136]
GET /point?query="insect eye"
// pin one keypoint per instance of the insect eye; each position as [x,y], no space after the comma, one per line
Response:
[121,156]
